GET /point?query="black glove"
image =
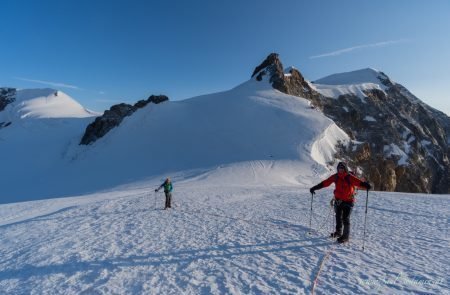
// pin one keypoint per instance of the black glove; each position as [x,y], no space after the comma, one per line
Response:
[366,185]
[316,187]
[156,190]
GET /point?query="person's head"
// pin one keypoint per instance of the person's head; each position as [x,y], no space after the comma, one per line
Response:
[168,179]
[342,168]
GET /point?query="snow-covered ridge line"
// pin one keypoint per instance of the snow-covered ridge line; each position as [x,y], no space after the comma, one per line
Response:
[334,91]
[368,75]
[352,83]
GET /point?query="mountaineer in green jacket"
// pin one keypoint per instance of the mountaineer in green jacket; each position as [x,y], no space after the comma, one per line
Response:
[167,184]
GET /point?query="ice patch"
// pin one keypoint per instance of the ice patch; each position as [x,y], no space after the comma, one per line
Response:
[394,150]
[369,119]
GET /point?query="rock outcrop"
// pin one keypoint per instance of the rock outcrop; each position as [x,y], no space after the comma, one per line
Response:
[114,116]
[7,96]
[291,82]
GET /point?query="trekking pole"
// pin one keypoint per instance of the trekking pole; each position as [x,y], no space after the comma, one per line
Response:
[332,209]
[155,200]
[365,220]
[310,215]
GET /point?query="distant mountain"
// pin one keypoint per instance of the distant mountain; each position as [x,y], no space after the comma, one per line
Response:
[39,103]
[37,127]
[398,139]
[398,142]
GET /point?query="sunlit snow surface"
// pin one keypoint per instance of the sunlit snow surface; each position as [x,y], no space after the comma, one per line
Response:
[222,240]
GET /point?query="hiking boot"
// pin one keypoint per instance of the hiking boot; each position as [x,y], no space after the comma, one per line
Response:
[335,235]
[342,239]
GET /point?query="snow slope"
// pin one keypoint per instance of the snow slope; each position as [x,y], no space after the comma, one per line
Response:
[44,123]
[222,239]
[249,134]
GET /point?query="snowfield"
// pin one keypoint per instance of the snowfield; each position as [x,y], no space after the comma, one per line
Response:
[221,239]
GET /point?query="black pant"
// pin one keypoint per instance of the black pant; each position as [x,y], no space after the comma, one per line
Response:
[343,211]
[168,200]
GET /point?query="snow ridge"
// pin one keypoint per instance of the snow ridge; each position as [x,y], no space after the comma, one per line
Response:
[368,75]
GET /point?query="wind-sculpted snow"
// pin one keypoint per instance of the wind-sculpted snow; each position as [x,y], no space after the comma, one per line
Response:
[222,240]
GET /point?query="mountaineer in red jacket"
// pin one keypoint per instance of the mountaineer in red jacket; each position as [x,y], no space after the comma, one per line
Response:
[344,191]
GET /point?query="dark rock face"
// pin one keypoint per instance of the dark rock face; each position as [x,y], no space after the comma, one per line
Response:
[291,83]
[106,122]
[383,124]
[272,67]
[114,116]
[156,99]
[7,96]
[400,124]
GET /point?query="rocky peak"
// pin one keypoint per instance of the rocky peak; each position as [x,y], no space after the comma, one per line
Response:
[114,116]
[7,96]
[271,66]
[290,81]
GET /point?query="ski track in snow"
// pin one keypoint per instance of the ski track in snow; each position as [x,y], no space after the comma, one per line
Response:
[223,240]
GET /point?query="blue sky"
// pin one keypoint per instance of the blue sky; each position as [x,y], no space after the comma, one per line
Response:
[105,52]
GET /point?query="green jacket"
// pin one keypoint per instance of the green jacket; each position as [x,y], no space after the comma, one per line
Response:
[167,186]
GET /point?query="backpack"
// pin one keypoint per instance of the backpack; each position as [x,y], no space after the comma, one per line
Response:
[347,178]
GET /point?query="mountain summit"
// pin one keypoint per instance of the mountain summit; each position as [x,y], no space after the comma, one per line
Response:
[289,81]
[39,104]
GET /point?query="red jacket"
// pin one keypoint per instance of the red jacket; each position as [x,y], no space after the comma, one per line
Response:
[345,185]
